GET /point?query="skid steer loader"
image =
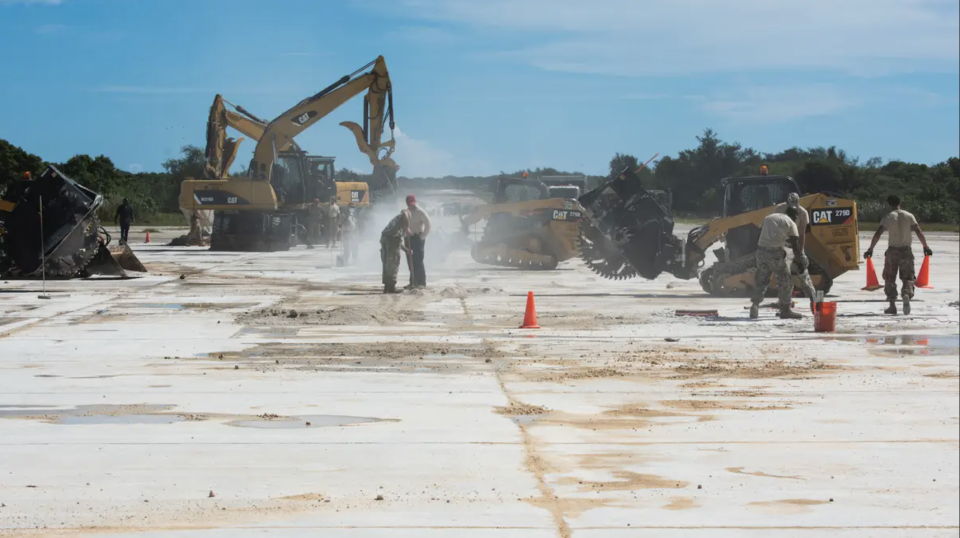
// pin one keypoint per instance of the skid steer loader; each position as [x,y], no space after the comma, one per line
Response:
[626,233]
[526,227]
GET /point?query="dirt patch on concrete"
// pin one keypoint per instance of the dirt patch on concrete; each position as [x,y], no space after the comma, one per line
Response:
[626,481]
[639,411]
[681,503]
[521,409]
[339,315]
[701,405]
[739,470]
[575,374]
[944,375]
[749,369]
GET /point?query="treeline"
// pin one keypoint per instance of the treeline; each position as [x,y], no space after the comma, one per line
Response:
[930,192]
[151,193]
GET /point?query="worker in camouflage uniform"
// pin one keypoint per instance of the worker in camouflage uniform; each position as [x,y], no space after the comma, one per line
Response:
[313,222]
[391,243]
[899,255]
[803,226]
[333,222]
[778,231]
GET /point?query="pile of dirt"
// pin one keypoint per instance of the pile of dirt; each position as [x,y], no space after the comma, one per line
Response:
[340,315]
[577,374]
[460,292]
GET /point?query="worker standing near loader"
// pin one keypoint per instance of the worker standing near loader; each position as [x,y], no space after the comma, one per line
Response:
[778,231]
[333,222]
[391,243]
[419,230]
[314,212]
[350,235]
[125,217]
[899,255]
[803,226]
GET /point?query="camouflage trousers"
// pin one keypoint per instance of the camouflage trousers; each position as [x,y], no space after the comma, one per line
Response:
[770,262]
[390,256]
[898,260]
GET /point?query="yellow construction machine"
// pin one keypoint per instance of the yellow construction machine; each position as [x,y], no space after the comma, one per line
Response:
[222,150]
[263,209]
[526,227]
[626,233]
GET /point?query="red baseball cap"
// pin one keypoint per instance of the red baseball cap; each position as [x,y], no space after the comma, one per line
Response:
[411,199]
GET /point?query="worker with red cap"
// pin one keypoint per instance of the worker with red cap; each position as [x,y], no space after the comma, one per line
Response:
[419,230]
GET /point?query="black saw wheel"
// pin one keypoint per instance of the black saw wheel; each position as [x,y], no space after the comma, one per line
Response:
[602,256]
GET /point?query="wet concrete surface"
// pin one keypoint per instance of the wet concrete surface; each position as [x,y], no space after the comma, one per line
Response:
[125,404]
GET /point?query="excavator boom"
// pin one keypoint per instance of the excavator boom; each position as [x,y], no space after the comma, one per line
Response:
[280,133]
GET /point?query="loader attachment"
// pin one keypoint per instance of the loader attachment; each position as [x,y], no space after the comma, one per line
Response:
[50,229]
[114,261]
[628,231]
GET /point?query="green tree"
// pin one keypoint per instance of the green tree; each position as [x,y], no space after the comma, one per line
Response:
[14,161]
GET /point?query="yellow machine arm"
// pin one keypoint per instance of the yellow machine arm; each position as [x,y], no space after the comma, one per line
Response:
[833,242]
[221,149]
[378,104]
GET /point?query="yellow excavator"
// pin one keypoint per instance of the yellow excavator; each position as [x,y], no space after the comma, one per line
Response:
[626,232]
[262,210]
[527,227]
[222,150]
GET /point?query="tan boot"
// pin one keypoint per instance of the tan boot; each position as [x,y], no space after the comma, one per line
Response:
[754,311]
[787,312]
[892,309]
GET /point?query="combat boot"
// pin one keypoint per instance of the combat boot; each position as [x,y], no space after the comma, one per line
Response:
[906,306]
[892,310]
[787,312]
[754,311]
[391,288]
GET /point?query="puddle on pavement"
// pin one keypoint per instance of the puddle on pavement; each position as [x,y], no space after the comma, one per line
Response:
[270,332]
[167,306]
[94,414]
[912,344]
[316,421]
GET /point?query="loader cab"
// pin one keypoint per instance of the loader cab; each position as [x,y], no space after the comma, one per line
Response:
[746,194]
[511,190]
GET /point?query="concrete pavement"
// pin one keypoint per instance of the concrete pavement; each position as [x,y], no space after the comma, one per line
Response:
[125,404]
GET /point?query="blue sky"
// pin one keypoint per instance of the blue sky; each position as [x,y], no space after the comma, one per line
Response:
[488,85]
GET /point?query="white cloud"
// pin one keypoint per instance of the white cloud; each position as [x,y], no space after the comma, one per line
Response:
[152,90]
[769,104]
[674,37]
[135,168]
[418,158]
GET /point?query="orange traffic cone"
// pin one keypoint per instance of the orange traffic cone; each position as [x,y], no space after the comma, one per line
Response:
[530,317]
[873,284]
[923,281]
[147,240]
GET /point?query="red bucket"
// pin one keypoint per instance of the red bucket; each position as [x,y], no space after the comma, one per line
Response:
[825,318]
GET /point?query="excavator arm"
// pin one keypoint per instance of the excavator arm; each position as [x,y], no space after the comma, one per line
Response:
[221,149]
[280,132]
